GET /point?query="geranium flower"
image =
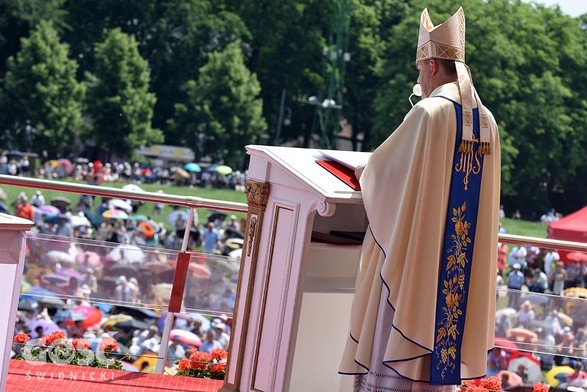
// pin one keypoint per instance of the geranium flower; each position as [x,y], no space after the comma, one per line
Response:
[108,345]
[80,343]
[21,338]
[56,335]
[218,354]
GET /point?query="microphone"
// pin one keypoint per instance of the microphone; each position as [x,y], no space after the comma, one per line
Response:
[417,91]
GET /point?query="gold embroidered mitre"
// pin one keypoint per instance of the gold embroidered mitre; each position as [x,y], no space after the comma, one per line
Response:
[447,41]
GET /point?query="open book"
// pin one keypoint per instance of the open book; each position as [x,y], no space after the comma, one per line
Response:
[350,159]
[342,164]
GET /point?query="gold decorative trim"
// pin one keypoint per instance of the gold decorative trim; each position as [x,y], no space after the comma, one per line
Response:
[257,197]
[257,192]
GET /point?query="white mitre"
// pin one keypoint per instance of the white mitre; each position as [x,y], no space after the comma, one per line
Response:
[447,41]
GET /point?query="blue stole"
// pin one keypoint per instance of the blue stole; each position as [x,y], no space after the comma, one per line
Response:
[457,254]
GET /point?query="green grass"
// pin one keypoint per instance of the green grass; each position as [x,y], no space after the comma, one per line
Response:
[524,228]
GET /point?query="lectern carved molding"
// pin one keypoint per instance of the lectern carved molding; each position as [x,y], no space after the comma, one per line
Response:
[257,193]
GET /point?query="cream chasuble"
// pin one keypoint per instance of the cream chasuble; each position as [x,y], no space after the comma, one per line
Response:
[406,190]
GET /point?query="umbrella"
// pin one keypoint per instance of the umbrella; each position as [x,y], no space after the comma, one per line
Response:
[67,315]
[127,253]
[555,371]
[124,269]
[120,205]
[506,344]
[79,220]
[522,335]
[115,214]
[55,280]
[66,165]
[132,188]
[138,313]
[42,295]
[532,368]
[172,217]
[132,324]
[576,256]
[185,337]
[575,292]
[91,314]
[180,172]
[216,215]
[221,169]
[69,272]
[56,219]
[57,256]
[235,243]
[140,217]
[49,326]
[48,210]
[60,202]
[197,269]
[114,319]
[3,195]
[192,167]
[513,379]
[92,258]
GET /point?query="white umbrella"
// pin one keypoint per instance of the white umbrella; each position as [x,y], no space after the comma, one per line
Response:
[163,291]
[120,204]
[132,188]
[127,253]
[57,256]
[78,220]
[532,369]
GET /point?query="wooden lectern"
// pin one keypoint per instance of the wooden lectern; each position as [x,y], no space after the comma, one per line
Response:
[297,276]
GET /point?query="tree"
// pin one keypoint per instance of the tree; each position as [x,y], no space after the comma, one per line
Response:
[40,90]
[224,105]
[120,104]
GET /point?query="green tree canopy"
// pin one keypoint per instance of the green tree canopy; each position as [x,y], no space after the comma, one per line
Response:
[120,104]
[224,105]
[40,88]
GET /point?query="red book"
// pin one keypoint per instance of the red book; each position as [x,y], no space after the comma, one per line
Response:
[342,172]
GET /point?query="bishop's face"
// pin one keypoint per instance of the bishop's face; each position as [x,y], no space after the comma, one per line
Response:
[425,77]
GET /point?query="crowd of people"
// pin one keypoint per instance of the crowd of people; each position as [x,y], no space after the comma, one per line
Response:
[82,169]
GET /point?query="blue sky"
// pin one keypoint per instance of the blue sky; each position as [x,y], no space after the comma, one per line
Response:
[570,7]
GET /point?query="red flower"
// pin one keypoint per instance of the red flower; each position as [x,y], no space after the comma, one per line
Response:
[218,368]
[200,360]
[540,387]
[108,345]
[80,343]
[56,335]
[492,383]
[185,365]
[21,338]
[218,354]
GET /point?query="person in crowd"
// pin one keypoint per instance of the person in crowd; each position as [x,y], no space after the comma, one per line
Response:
[496,361]
[175,351]
[558,278]
[220,331]
[38,200]
[538,282]
[405,267]
[526,315]
[210,343]
[515,281]
[210,238]
[23,209]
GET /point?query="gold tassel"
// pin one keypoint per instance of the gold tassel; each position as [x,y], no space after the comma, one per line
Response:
[466,146]
[485,148]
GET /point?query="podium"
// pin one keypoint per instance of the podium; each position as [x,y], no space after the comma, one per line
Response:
[296,281]
[12,252]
